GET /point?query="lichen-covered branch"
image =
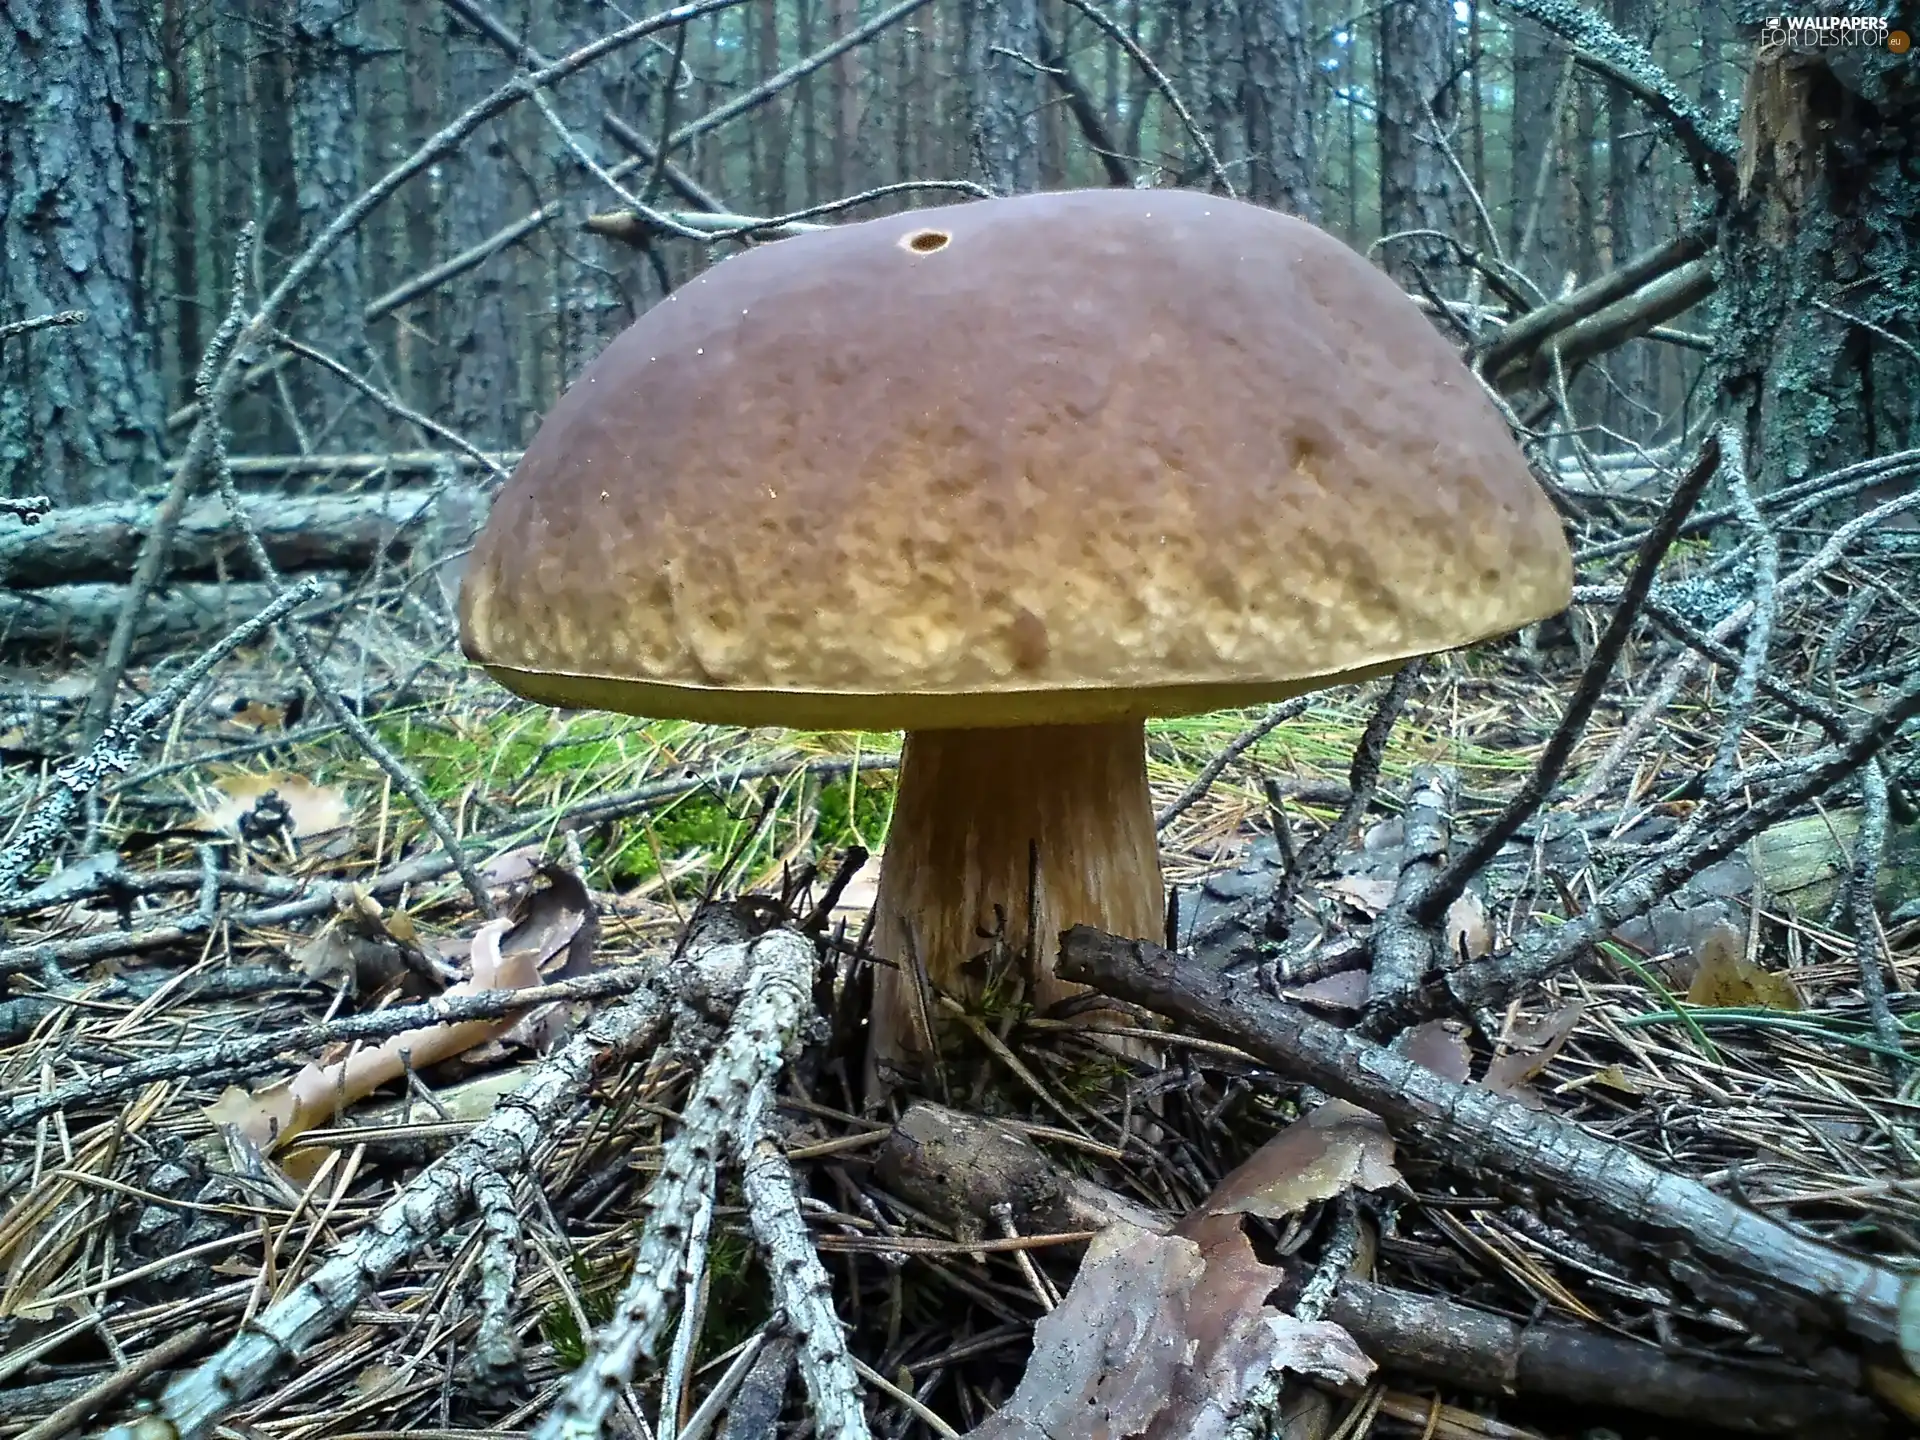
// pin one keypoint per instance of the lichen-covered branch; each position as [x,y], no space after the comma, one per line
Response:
[503,1144]
[778,995]
[800,1283]
[1475,1128]
[1707,143]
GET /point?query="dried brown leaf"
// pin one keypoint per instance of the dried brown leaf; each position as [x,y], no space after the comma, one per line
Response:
[1725,978]
[1615,1078]
[1347,990]
[557,921]
[337,953]
[1162,1338]
[1333,1148]
[1469,933]
[515,867]
[1440,1046]
[1369,894]
[1535,1045]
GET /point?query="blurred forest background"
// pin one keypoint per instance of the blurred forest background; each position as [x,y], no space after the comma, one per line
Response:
[1571,187]
[477,293]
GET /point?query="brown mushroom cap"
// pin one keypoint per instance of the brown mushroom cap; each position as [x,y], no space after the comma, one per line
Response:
[1057,458]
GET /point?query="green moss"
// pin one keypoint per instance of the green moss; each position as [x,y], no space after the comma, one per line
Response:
[452,755]
[737,1293]
[854,812]
[598,1288]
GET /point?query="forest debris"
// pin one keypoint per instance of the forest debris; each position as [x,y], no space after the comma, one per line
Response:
[779,994]
[800,1284]
[119,746]
[506,954]
[1800,1280]
[1725,978]
[420,1213]
[1168,1335]
[1161,1337]
[115,1383]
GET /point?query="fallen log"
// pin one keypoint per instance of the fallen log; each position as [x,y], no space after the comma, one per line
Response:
[81,617]
[99,544]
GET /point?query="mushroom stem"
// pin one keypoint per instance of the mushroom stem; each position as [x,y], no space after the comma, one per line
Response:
[1053,824]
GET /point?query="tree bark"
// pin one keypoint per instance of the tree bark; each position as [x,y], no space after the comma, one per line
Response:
[1002,42]
[181,266]
[1417,105]
[1279,108]
[1224,117]
[80,409]
[1820,263]
[480,362]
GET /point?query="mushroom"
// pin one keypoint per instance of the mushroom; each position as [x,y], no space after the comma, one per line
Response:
[1011,476]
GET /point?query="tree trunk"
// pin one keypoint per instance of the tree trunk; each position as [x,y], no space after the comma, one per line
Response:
[1818,262]
[80,409]
[1589,203]
[1350,92]
[1190,30]
[775,119]
[1225,116]
[480,360]
[591,306]
[1279,105]
[326,53]
[1476,118]
[1004,41]
[843,16]
[807,99]
[1536,238]
[1630,193]
[181,263]
[1417,104]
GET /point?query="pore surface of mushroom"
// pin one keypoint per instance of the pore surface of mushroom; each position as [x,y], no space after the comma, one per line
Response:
[1011,476]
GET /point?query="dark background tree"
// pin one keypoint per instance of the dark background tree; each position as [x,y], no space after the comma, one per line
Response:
[79,418]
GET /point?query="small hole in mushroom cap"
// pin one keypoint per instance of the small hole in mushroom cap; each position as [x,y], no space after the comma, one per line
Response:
[925,242]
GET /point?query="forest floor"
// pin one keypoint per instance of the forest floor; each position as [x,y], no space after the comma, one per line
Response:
[261,882]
